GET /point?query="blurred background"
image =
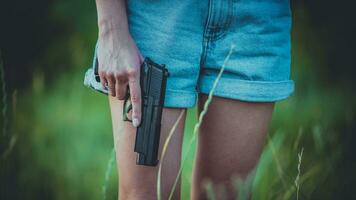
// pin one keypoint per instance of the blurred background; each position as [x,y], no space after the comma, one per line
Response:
[56,136]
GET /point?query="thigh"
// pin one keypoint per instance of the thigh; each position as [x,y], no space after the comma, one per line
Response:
[230,140]
[139,182]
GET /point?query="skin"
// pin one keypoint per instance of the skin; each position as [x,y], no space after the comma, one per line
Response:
[226,148]
[230,142]
[230,139]
[136,181]
[118,55]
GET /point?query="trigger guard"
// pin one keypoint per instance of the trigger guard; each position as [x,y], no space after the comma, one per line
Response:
[126,111]
[126,107]
[129,108]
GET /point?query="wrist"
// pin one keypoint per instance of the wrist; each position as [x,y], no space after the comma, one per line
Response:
[108,27]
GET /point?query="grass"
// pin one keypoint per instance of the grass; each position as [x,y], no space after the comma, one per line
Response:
[108,174]
[297,184]
[64,131]
[164,149]
[201,116]
[63,136]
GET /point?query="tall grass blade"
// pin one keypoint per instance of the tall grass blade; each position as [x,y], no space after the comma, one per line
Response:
[296,182]
[208,186]
[164,149]
[313,172]
[108,174]
[278,164]
[201,116]
[296,142]
[244,187]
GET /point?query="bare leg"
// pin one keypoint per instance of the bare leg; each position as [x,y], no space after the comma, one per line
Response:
[139,182]
[230,143]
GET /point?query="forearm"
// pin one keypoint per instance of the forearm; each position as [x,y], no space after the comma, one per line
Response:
[112,16]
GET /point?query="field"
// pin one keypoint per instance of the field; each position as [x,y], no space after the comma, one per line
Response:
[58,144]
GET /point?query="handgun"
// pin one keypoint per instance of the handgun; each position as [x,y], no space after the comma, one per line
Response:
[153,79]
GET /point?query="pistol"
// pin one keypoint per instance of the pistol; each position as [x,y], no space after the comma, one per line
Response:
[153,78]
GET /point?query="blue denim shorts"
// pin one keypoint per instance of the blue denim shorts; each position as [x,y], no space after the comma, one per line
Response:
[193,37]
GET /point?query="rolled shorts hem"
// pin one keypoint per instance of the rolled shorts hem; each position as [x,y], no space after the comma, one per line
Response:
[251,91]
[180,99]
[173,98]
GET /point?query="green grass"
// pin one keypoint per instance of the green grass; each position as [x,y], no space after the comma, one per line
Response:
[62,143]
[65,142]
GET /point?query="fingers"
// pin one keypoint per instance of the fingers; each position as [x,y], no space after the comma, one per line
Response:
[117,87]
[111,85]
[103,80]
[115,84]
[135,95]
[120,87]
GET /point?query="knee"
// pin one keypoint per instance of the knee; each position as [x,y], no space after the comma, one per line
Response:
[147,192]
[136,193]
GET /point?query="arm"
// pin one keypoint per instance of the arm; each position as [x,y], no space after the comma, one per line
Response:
[119,58]
[111,16]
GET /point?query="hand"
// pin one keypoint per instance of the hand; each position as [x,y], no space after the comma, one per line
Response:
[119,66]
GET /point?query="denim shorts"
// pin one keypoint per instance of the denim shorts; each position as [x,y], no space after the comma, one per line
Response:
[193,37]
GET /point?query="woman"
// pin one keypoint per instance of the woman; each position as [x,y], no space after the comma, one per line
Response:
[192,38]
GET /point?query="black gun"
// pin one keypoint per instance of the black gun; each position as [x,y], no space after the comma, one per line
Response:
[153,78]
